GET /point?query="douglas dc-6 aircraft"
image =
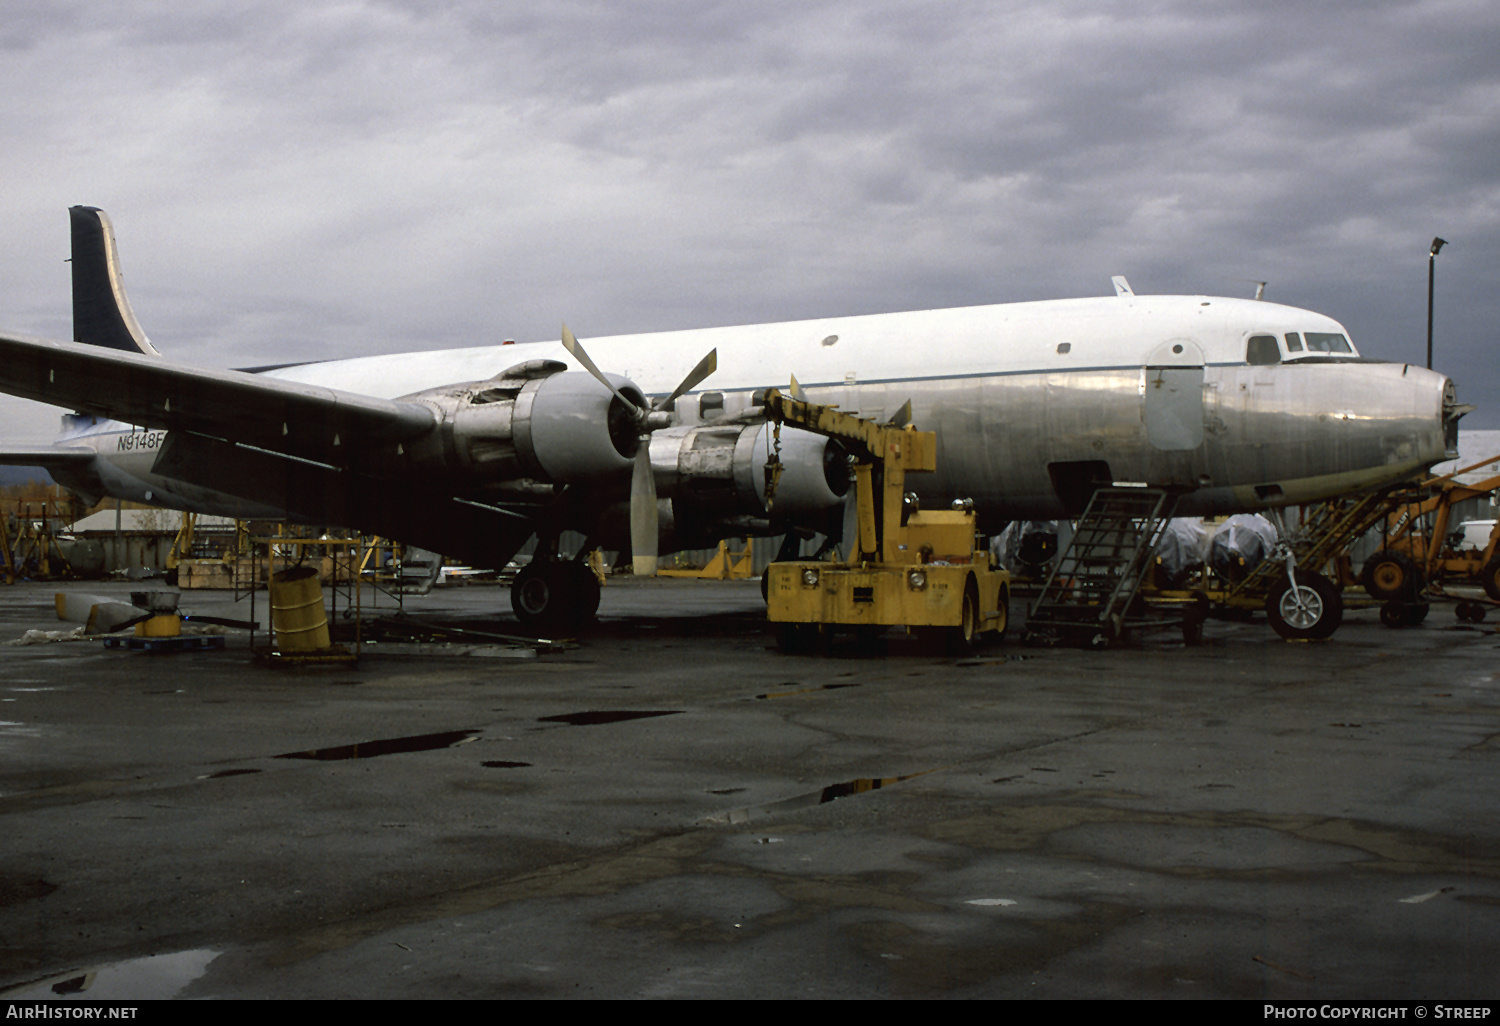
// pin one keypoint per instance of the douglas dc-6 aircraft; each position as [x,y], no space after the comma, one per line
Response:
[1239,404]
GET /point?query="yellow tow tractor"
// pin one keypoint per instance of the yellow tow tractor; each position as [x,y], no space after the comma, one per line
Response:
[910,568]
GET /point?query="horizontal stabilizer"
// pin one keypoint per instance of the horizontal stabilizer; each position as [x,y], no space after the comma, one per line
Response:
[45,456]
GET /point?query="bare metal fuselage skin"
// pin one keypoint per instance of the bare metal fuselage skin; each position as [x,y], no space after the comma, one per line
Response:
[1028,400]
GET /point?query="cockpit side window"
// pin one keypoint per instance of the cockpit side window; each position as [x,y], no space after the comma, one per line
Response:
[1262,350]
[1293,342]
[1327,342]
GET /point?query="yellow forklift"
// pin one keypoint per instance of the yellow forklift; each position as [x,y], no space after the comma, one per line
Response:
[913,568]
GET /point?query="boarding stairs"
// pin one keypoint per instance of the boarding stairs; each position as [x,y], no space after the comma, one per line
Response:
[1091,593]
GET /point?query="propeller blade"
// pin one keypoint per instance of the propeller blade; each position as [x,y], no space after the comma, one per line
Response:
[902,416]
[573,346]
[643,526]
[706,366]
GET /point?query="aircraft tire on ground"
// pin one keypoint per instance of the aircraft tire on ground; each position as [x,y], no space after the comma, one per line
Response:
[1490,578]
[1389,575]
[551,596]
[1311,613]
[584,591]
[531,595]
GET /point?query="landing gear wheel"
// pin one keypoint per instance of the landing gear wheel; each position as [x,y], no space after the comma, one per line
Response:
[1389,575]
[1311,611]
[1416,612]
[583,589]
[551,596]
[533,595]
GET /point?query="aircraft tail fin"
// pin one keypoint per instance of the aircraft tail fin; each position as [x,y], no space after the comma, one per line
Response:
[101,310]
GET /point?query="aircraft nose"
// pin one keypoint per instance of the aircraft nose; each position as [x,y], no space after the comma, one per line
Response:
[1453,410]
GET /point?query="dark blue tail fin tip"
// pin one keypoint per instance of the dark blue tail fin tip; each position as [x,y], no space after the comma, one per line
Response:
[101,310]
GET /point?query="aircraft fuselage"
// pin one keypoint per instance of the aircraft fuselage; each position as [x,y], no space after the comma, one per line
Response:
[1032,402]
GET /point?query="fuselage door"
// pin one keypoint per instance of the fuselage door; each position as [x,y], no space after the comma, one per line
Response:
[1172,395]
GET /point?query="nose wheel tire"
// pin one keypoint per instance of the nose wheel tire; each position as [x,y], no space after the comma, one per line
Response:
[1310,611]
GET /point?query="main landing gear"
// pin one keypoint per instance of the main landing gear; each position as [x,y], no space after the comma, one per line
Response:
[554,595]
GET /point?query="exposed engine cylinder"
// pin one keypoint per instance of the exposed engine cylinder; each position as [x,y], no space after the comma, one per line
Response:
[535,420]
[718,471]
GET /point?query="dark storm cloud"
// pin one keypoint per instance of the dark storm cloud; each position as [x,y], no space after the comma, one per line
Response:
[290,180]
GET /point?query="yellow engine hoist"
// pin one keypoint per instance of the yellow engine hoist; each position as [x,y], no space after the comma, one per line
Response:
[909,567]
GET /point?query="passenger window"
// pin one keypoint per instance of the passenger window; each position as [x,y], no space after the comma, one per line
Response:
[1293,342]
[1263,349]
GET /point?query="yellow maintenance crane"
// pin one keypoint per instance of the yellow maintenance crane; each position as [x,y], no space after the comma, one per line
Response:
[908,567]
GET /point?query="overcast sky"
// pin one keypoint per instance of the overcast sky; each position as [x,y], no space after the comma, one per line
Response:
[304,180]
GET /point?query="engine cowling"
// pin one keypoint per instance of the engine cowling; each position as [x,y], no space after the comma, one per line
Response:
[717,472]
[535,421]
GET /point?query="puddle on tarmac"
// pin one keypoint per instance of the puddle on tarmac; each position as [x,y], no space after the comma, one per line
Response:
[156,977]
[591,719]
[803,691]
[832,792]
[390,746]
[502,764]
[228,773]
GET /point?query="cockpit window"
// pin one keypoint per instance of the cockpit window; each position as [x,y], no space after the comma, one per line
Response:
[1263,349]
[1293,342]
[1327,342]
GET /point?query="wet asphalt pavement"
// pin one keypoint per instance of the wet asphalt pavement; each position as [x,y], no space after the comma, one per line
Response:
[672,808]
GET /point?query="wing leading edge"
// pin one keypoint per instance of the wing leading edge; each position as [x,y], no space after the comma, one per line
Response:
[306,421]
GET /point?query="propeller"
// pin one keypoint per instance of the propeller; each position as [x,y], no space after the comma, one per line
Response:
[643,513]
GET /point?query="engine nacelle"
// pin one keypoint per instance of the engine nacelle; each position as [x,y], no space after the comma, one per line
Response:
[717,471]
[536,420]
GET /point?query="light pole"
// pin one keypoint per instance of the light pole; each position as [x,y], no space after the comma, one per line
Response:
[1437,244]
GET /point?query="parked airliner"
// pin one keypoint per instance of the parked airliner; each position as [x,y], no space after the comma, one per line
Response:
[1239,404]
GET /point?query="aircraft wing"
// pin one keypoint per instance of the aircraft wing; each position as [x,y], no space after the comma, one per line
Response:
[282,416]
